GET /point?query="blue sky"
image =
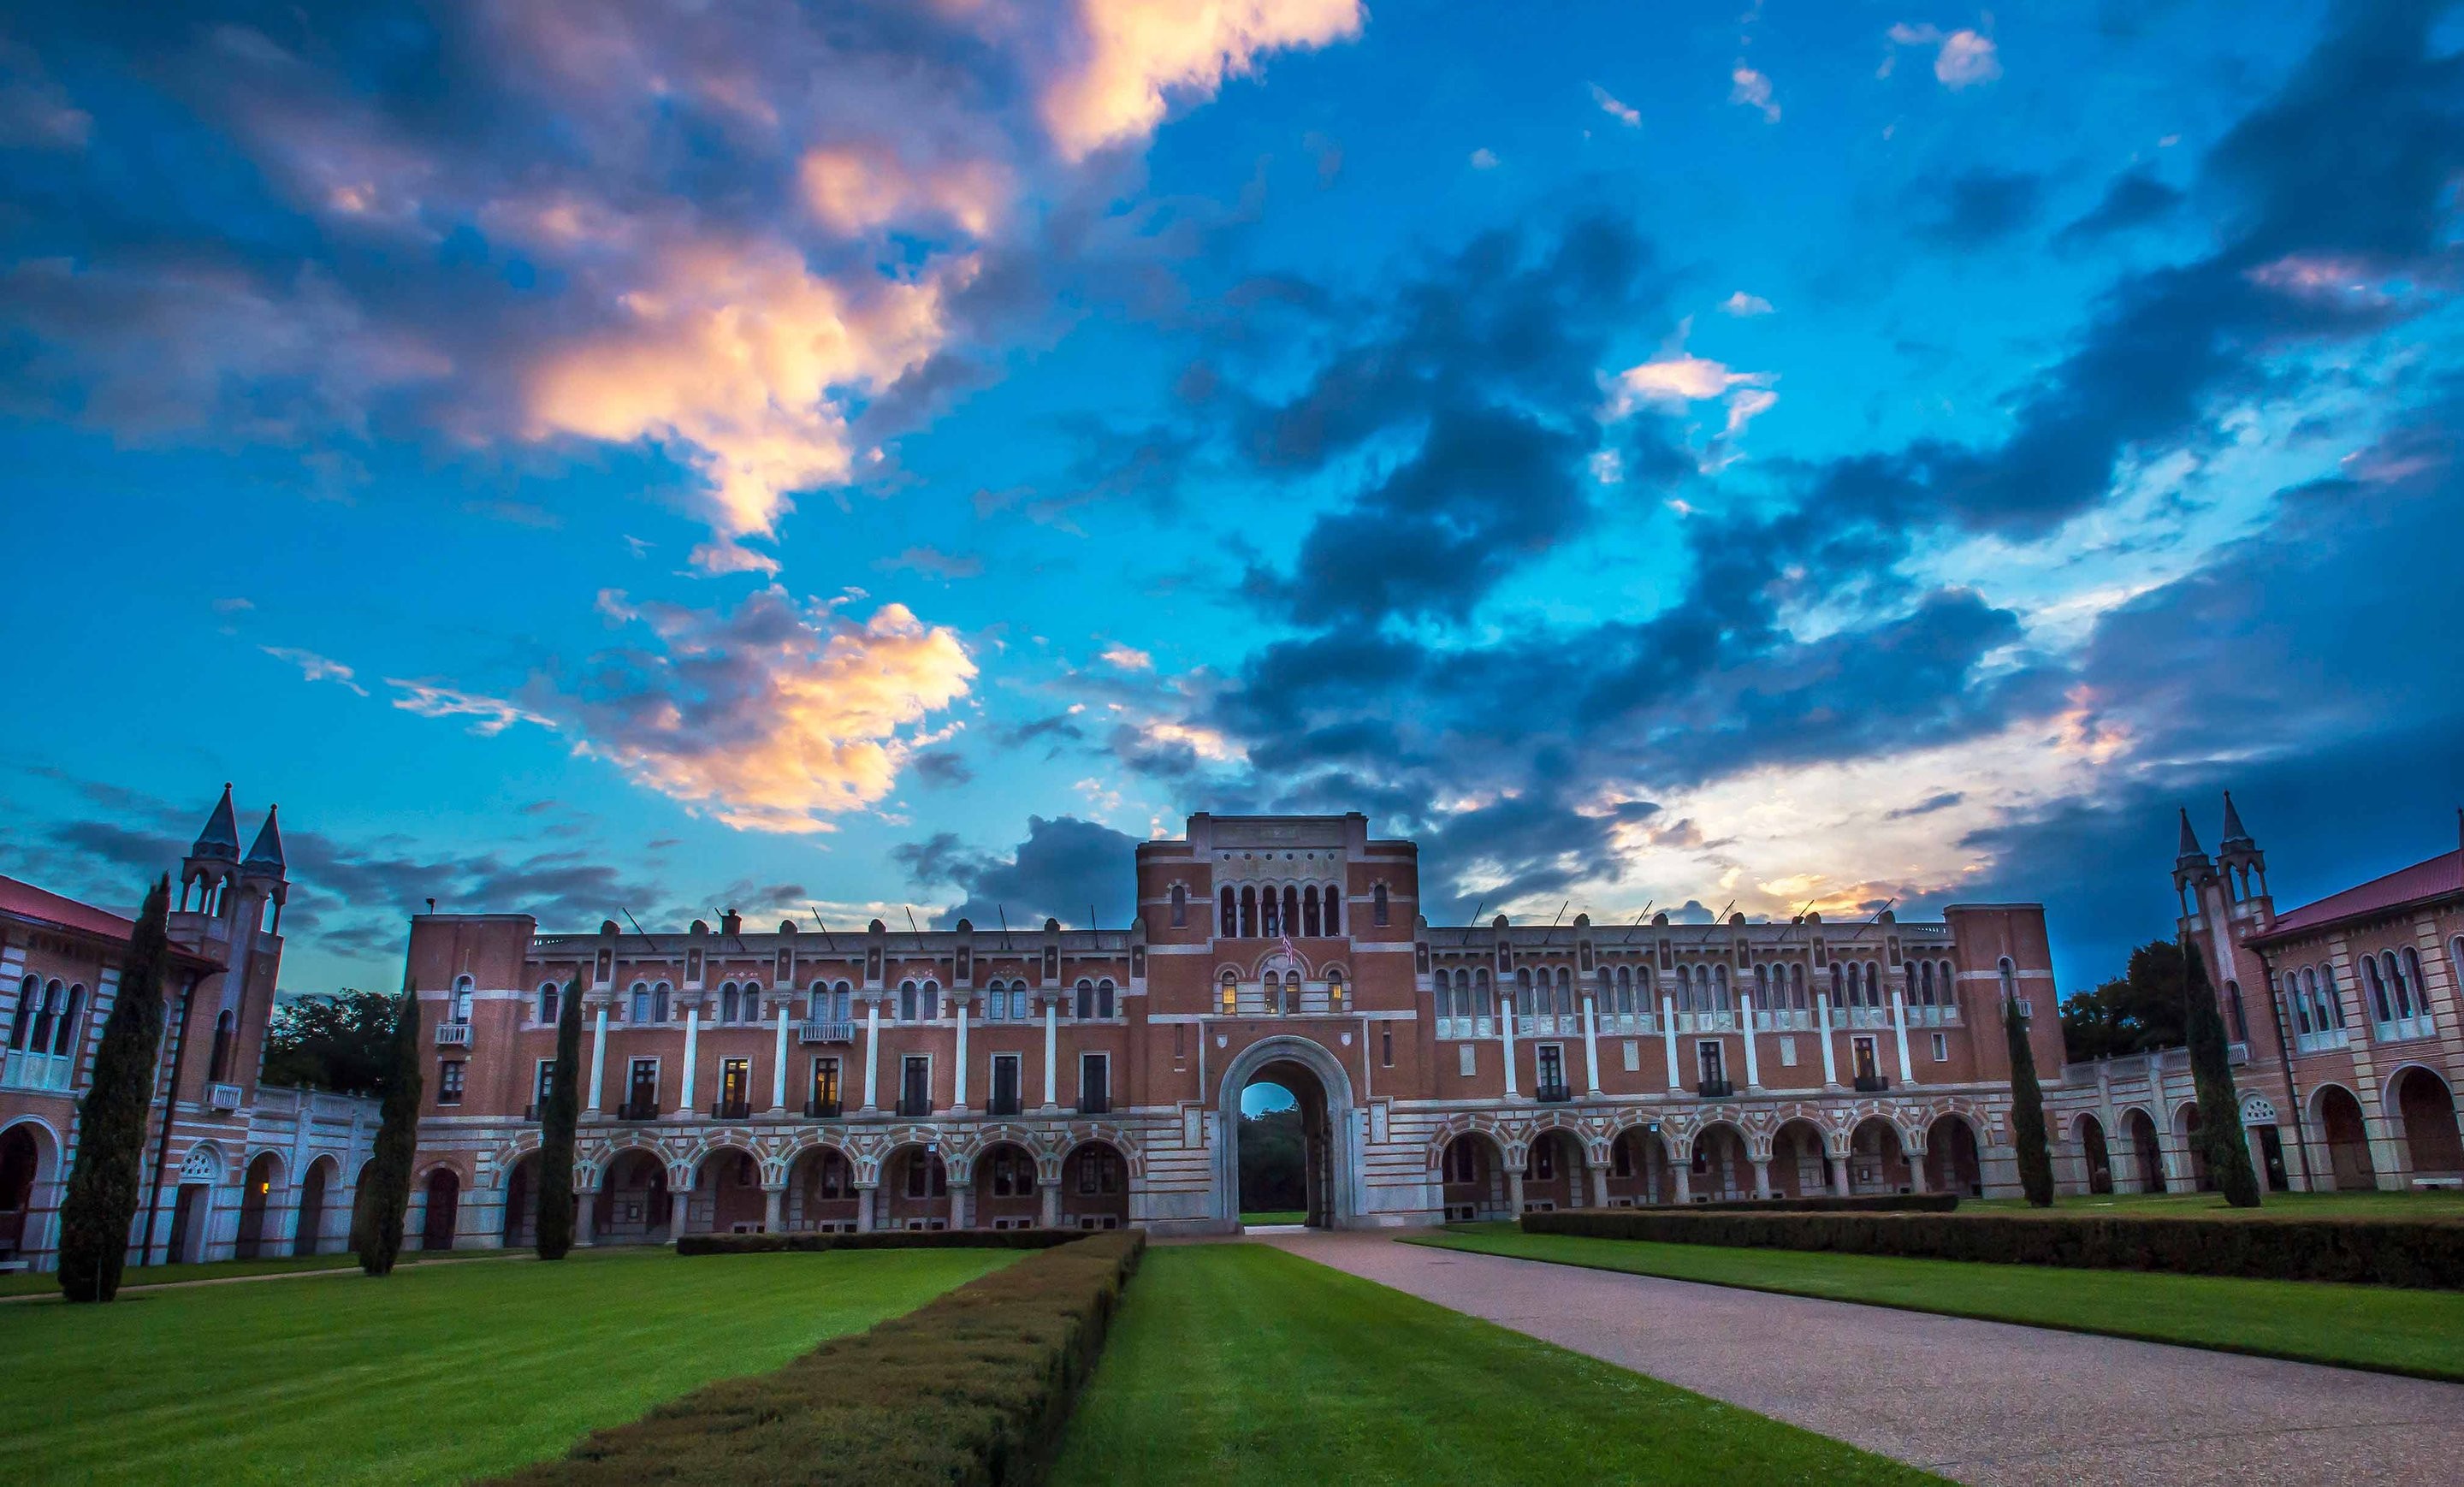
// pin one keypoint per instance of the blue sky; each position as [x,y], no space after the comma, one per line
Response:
[848,459]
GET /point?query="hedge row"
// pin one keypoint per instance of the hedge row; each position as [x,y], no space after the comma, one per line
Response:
[878,1239]
[1870,1203]
[969,1391]
[2361,1251]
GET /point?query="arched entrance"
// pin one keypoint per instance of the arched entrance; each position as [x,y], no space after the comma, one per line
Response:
[1639,1169]
[2349,1168]
[255,1199]
[2194,1148]
[2148,1159]
[444,1210]
[1472,1176]
[726,1196]
[521,1204]
[1950,1159]
[2094,1154]
[633,1205]
[1317,1081]
[820,1193]
[2430,1138]
[1095,1187]
[1006,1188]
[1800,1167]
[21,1167]
[915,1190]
[1877,1161]
[314,1189]
[1554,1174]
[1722,1170]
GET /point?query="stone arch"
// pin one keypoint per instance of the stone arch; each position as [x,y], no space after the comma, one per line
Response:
[316,1204]
[2138,1129]
[2424,1106]
[262,1196]
[1879,1156]
[1470,1161]
[1556,1166]
[2094,1153]
[2194,1156]
[2345,1132]
[1720,1159]
[521,1196]
[634,1202]
[1801,1164]
[1005,1180]
[30,1186]
[1954,1155]
[1111,1134]
[821,1187]
[439,1192]
[913,1190]
[1096,1183]
[1330,1127]
[1640,1169]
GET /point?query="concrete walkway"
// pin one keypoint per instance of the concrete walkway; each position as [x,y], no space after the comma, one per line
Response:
[1978,1401]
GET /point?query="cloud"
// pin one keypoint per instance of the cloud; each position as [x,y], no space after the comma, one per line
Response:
[1753,90]
[941,768]
[934,563]
[1962,58]
[1675,378]
[1631,118]
[313,667]
[1977,208]
[1483,159]
[1127,658]
[1131,54]
[1065,867]
[1744,306]
[2135,199]
[429,699]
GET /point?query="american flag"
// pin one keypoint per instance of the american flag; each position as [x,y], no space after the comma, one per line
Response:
[1285,943]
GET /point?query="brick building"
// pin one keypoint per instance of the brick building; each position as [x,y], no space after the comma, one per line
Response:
[792,1078]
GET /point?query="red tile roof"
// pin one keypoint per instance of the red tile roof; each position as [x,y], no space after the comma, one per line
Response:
[2441,874]
[30,902]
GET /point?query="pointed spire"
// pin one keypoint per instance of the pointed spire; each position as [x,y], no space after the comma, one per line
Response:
[267,853]
[2234,834]
[220,839]
[2189,846]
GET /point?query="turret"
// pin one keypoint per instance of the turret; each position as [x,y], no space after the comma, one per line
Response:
[262,871]
[2191,868]
[2243,863]
[212,862]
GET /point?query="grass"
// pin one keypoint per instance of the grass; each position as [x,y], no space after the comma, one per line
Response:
[1275,1216]
[1241,1364]
[435,1374]
[47,1283]
[2380,1329]
[2436,1205]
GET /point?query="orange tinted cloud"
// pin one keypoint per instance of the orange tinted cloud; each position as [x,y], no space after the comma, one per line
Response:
[1137,51]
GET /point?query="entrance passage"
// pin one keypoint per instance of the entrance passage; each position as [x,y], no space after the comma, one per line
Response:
[1274,1155]
[1295,1164]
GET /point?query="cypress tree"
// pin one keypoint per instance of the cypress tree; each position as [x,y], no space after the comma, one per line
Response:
[107,1182]
[557,1119]
[2219,1135]
[385,1193]
[2028,1110]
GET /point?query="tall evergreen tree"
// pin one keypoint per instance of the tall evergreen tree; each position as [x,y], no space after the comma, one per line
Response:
[557,1120]
[2028,1110]
[2219,1135]
[385,1191]
[107,1182]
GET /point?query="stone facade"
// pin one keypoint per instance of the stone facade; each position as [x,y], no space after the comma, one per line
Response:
[797,1078]
[231,1169]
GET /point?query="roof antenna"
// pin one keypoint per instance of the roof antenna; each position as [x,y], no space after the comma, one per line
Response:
[2460,823]
[824,928]
[1638,922]
[1003,909]
[911,923]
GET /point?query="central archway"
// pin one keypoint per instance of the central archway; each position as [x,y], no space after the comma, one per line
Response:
[1316,1079]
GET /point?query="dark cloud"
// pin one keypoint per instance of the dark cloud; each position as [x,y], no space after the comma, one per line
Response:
[1979,208]
[1065,867]
[1927,806]
[2134,200]
[940,768]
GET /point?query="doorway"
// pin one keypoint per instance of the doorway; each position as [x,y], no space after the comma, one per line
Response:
[1321,1092]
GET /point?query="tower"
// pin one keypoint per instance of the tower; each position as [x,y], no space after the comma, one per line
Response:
[2193,871]
[2243,865]
[213,863]
[262,873]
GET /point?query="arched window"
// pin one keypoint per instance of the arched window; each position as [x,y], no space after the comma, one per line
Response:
[641,1009]
[2419,993]
[928,999]
[547,1001]
[2232,1004]
[1334,992]
[659,1001]
[1086,998]
[1018,1001]
[2009,979]
[1488,1005]
[1377,906]
[21,1032]
[1229,996]
[906,1002]
[2289,987]
[1291,909]
[1104,997]
[727,1007]
[64,1031]
[1838,986]
[46,1007]
[1719,989]
[1523,998]
[1227,921]
[1565,993]
[1625,991]
[1180,906]
[2333,993]
[1642,989]
[2379,1008]
[219,1063]
[1248,912]
[1762,988]
[1309,912]
[1333,914]
[1797,984]
[462,993]
[1270,913]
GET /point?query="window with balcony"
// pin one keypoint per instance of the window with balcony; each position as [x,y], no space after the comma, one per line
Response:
[822,1096]
[915,1086]
[1711,1063]
[734,1100]
[642,1091]
[448,1081]
[1095,1084]
[463,993]
[1006,1085]
[1552,1067]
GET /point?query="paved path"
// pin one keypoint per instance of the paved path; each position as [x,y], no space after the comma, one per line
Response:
[1978,1401]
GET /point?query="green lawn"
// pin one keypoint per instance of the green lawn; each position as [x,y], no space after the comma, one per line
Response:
[1241,1364]
[47,1283]
[2360,1326]
[435,1374]
[1275,1216]
[2435,1205]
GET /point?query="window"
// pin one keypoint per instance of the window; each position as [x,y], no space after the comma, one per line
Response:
[659,1002]
[1013,1173]
[2328,995]
[643,1082]
[2009,979]
[1095,1084]
[728,1008]
[1309,912]
[1104,997]
[542,1083]
[1229,998]
[824,1094]
[735,1083]
[1335,993]
[1334,915]
[1099,1170]
[915,1084]
[1085,998]
[1622,1158]
[64,1027]
[1006,1083]
[641,1008]
[1797,986]
[1466,1059]
[1865,1060]
[1180,906]
[449,1081]
[547,1008]
[1386,1046]
[217,1064]
[2379,1009]
[1227,914]
[1706,1055]
[1551,1061]
[2417,992]
[1462,1160]
[2232,1003]
[1377,909]
[1018,1001]
[1540,1161]
[906,1002]
[462,993]
[926,1176]
[1940,1048]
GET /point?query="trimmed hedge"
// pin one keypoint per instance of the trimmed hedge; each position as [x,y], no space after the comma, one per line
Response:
[879,1239]
[2357,1251]
[969,1391]
[1870,1203]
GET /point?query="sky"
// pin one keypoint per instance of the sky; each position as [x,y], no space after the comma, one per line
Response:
[846,460]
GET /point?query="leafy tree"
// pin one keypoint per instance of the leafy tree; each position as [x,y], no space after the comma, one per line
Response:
[2140,1010]
[1274,1161]
[557,1120]
[344,1045]
[105,1185]
[385,1191]
[2219,1135]
[2028,1110]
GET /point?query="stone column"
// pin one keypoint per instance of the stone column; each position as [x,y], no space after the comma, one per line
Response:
[1900,1031]
[586,1216]
[1508,1011]
[871,1057]
[1822,1032]
[774,1208]
[1683,1168]
[779,1067]
[1514,1192]
[693,1047]
[1762,1176]
[1590,1043]
[1668,1037]
[958,1205]
[864,1206]
[1052,1060]
[1840,1174]
[1916,1170]
[1599,1186]
[597,1055]
[1754,1066]
[958,1070]
[1050,1195]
